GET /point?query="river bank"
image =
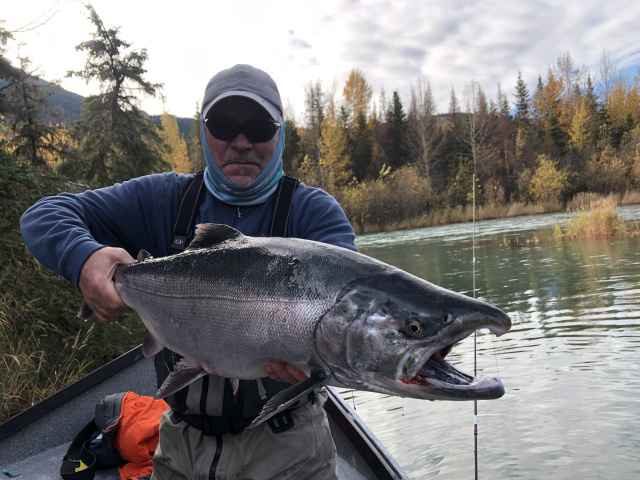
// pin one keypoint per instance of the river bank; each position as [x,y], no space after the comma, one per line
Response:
[463,214]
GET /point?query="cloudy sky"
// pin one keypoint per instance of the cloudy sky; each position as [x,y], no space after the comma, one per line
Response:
[393,42]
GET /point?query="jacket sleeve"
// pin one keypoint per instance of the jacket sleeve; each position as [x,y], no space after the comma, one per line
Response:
[320,218]
[63,231]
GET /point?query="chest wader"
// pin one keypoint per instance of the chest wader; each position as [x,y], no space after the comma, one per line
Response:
[219,414]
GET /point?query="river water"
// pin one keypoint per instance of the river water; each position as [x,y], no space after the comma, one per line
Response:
[570,364]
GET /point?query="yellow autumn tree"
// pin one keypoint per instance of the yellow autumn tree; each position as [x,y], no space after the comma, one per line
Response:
[624,102]
[547,183]
[357,94]
[630,155]
[607,172]
[334,159]
[549,104]
[59,145]
[581,127]
[176,154]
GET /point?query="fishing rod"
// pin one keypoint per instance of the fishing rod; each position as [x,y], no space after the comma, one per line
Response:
[475,366]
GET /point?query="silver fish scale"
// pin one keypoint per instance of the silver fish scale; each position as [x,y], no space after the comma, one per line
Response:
[233,307]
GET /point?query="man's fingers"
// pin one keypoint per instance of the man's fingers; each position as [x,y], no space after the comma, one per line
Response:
[296,373]
[96,283]
[284,372]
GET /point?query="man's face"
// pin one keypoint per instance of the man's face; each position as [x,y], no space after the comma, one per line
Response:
[240,160]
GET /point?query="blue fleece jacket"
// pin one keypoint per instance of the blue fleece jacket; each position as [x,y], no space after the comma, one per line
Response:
[63,231]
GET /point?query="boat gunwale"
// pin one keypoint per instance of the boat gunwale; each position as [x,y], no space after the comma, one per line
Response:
[374,454]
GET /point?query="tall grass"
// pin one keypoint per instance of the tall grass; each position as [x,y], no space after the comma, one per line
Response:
[29,374]
[43,345]
[631,198]
[597,217]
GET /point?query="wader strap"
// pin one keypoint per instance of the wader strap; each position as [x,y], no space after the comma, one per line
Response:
[191,200]
[284,194]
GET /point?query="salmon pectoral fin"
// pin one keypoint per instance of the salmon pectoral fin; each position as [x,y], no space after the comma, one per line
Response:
[184,374]
[151,346]
[287,397]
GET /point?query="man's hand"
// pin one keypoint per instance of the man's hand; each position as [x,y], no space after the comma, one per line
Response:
[283,372]
[96,283]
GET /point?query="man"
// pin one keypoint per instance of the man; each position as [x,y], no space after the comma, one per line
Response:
[85,236]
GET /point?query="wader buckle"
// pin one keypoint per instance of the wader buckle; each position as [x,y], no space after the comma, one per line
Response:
[281,422]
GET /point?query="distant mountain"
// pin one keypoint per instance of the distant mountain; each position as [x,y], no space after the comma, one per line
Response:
[184,124]
[69,106]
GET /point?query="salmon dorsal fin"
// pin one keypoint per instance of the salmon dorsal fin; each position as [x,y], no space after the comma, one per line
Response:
[210,234]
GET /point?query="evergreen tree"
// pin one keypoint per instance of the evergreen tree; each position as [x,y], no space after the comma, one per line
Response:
[33,137]
[362,147]
[8,72]
[452,148]
[522,100]
[397,131]
[536,108]
[292,155]
[117,140]
[345,119]
[590,97]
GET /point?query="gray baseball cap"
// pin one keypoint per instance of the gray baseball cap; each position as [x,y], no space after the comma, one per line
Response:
[244,81]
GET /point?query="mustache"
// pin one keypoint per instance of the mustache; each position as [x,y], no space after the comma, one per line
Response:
[241,158]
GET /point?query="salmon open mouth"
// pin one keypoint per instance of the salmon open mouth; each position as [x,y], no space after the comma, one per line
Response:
[439,375]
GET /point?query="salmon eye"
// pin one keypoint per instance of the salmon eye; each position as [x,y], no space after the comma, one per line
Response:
[413,327]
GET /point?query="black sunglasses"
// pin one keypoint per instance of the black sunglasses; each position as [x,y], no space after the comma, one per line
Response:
[258,131]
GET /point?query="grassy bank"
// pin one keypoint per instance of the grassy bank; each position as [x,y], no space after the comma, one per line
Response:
[462,214]
[580,203]
[597,217]
[43,345]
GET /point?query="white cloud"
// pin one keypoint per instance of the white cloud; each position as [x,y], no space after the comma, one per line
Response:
[393,42]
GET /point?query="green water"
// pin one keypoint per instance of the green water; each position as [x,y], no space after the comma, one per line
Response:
[570,364]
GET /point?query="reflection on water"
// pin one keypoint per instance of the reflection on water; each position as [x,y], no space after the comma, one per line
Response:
[570,363]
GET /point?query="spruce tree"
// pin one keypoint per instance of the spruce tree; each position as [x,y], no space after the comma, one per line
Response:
[117,140]
[397,122]
[292,155]
[522,100]
[8,72]
[362,147]
[33,138]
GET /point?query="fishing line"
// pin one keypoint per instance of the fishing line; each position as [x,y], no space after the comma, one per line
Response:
[475,363]
[475,333]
